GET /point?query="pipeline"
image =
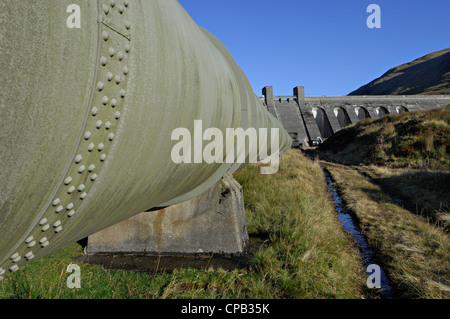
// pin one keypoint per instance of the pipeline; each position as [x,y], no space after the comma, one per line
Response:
[87,113]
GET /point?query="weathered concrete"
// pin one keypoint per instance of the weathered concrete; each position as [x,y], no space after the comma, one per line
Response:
[309,118]
[213,222]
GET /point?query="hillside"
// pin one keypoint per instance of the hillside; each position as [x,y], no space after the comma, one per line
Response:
[416,140]
[429,74]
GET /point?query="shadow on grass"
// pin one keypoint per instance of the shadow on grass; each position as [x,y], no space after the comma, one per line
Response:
[423,193]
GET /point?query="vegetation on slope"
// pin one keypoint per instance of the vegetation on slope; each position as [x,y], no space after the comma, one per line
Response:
[424,192]
[429,74]
[395,182]
[415,140]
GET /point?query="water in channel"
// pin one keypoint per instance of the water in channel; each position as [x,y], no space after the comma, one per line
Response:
[347,221]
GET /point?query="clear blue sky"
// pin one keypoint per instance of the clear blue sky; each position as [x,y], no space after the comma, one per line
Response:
[324,45]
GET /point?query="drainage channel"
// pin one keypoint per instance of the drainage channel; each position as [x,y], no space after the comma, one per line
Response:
[348,223]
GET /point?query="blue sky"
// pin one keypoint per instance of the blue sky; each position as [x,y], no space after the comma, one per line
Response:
[324,45]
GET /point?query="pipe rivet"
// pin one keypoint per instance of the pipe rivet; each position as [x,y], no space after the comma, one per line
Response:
[29,255]
[100,86]
[87,135]
[68,180]
[45,244]
[14,268]
[78,159]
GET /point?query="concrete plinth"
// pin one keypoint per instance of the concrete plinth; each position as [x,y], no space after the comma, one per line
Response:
[211,223]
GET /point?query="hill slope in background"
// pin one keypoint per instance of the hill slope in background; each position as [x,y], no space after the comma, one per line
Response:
[429,74]
[416,140]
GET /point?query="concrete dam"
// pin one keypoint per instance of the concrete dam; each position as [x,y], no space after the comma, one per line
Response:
[310,119]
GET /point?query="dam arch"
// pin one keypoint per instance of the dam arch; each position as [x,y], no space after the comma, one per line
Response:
[322,121]
[381,111]
[342,117]
[362,113]
[401,109]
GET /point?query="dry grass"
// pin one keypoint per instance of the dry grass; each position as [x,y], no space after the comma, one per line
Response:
[424,192]
[415,254]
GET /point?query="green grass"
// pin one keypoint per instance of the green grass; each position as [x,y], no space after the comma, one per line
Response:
[306,253]
[415,140]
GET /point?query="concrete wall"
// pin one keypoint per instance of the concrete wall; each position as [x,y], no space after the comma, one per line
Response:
[309,118]
[213,222]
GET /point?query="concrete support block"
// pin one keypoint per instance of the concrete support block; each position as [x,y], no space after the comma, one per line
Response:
[214,222]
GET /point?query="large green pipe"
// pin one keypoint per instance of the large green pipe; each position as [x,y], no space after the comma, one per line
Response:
[86,116]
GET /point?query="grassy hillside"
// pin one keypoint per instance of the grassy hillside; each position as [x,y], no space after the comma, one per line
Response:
[429,74]
[415,140]
[408,155]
